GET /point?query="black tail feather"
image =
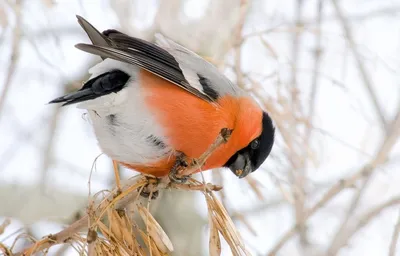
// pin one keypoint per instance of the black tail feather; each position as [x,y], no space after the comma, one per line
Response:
[104,84]
[75,97]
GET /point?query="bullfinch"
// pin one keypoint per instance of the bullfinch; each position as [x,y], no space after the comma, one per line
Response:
[148,102]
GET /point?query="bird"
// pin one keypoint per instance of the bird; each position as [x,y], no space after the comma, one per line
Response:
[150,103]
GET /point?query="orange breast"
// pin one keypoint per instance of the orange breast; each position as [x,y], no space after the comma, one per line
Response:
[191,124]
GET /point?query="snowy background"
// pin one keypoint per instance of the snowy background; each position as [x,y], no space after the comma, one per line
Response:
[326,70]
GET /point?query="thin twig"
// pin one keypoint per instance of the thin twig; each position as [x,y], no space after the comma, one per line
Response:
[222,138]
[297,171]
[395,237]
[121,198]
[198,187]
[361,67]
[237,43]
[380,158]
[337,239]
[316,75]
[4,225]
[67,233]
[47,151]
[15,51]
[91,239]
[362,222]
[60,237]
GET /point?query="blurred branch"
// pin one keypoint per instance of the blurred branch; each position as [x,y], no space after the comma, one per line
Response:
[298,170]
[315,77]
[186,226]
[3,22]
[237,43]
[337,239]
[295,52]
[378,12]
[47,151]
[395,237]
[15,50]
[362,222]
[380,158]
[294,125]
[363,71]
[29,205]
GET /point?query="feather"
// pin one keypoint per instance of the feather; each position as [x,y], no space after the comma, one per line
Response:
[142,60]
[94,35]
[165,59]
[101,85]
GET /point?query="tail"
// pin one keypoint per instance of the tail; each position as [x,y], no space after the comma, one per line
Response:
[101,85]
[94,35]
[74,97]
[104,84]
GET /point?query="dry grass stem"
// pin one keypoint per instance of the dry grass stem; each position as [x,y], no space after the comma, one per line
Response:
[220,220]
[196,164]
[112,230]
[4,225]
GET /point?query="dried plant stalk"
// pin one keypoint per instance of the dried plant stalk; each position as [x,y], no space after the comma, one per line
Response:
[112,231]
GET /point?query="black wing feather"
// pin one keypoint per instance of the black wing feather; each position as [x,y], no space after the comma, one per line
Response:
[145,61]
[125,41]
[151,57]
[121,47]
[104,84]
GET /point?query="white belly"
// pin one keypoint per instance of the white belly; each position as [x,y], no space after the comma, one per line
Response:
[125,128]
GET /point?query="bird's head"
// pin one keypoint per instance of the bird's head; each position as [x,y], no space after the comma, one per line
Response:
[249,158]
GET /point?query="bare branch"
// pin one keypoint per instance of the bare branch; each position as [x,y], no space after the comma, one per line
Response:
[395,237]
[298,172]
[316,75]
[47,152]
[360,64]
[15,50]
[67,233]
[337,239]
[380,158]
[237,42]
[362,222]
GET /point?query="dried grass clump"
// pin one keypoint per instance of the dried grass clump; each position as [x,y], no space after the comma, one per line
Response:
[112,228]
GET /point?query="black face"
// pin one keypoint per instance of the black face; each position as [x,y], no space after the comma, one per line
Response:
[248,159]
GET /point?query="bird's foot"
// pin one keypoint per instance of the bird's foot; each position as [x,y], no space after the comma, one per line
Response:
[180,164]
[178,179]
[183,167]
[146,193]
[149,190]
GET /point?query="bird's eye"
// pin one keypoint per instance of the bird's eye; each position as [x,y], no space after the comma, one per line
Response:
[255,144]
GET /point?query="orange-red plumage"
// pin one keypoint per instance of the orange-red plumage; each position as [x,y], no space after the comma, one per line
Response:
[148,102]
[192,124]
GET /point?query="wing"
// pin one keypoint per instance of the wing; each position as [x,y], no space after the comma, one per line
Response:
[165,59]
[197,71]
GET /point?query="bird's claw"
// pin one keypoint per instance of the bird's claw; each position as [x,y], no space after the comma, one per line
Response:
[181,179]
[146,194]
[148,189]
[180,164]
